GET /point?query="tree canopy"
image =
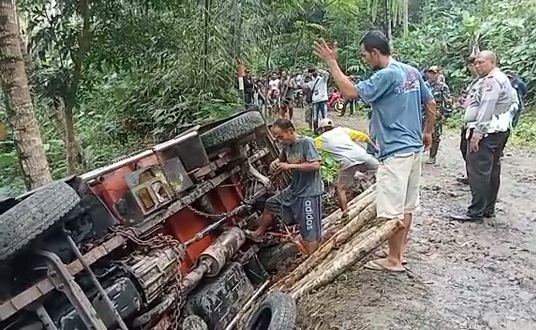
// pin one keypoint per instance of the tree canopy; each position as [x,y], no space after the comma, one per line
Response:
[110,76]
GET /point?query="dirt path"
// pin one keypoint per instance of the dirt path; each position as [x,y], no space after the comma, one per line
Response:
[461,276]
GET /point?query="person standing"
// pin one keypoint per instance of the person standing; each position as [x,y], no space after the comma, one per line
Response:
[319,98]
[467,94]
[396,92]
[308,100]
[488,121]
[274,94]
[341,144]
[287,92]
[521,88]
[249,87]
[441,93]
[352,103]
[301,202]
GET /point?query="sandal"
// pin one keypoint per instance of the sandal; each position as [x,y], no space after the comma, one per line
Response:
[383,254]
[378,265]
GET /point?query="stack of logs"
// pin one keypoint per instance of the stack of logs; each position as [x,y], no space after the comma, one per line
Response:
[357,232]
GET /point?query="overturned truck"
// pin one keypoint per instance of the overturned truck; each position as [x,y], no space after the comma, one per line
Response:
[154,240]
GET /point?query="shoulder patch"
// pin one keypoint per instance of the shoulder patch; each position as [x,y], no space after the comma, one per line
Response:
[488,84]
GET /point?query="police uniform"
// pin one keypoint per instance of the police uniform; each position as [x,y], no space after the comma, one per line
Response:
[487,115]
[441,93]
[470,92]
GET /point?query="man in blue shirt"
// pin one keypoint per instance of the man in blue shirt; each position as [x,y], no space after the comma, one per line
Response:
[396,93]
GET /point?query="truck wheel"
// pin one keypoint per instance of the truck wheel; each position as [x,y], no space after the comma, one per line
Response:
[278,311]
[233,129]
[194,322]
[34,215]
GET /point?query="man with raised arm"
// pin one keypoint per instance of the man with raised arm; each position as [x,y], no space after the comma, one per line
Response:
[396,93]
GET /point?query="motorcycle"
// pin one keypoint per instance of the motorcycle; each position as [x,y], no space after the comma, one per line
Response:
[335,102]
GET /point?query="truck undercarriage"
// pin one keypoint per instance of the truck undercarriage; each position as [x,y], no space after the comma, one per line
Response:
[154,240]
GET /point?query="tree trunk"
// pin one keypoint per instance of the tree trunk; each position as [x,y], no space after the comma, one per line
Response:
[269,53]
[406,17]
[390,28]
[27,136]
[74,158]
[57,117]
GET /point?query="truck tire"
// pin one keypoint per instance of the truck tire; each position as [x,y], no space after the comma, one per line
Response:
[278,311]
[232,129]
[194,322]
[34,215]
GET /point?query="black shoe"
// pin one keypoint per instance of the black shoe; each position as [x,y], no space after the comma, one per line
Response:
[464,217]
[489,213]
[463,180]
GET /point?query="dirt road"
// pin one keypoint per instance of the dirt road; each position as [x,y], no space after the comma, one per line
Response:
[460,276]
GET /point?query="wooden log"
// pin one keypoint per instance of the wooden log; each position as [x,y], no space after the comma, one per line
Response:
[356,224]
[341,217]
[329,261]
[337,214]
[350,255]
[366,192]
[352,213]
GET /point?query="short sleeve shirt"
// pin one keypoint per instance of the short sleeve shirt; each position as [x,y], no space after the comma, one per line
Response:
[396,94]
[303,184]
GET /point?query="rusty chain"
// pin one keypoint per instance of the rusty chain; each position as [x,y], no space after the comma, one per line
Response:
[229,214]
[158,242]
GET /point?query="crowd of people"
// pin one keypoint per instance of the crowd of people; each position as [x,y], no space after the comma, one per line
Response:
[406,120]
[281,91]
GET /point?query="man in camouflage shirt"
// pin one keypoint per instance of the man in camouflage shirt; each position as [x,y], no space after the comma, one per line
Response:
[441,93]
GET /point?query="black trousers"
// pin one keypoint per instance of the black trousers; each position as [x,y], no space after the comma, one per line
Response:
[351,103]
[248,99]
[484,173]
[463,143]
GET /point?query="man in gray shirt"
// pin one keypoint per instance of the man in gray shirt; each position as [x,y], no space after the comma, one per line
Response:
[301,202]
[488,121]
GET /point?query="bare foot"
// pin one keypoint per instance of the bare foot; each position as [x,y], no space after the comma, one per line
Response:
[255,236]
[383,253]
[385,265]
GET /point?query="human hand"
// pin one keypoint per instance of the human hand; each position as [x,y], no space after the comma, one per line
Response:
[274,166]
[285,166]
[325,52]
[427,140]
[475,140]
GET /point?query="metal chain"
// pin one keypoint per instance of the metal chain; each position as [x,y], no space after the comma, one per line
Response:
[231,213]
[158,242]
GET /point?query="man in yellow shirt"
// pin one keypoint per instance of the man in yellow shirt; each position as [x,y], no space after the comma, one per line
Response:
[341,144]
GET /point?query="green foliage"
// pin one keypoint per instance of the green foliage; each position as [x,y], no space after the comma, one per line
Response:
[330,166]
[154,66]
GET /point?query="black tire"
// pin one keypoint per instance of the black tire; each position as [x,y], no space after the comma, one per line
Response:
[194,322]
[34,215]
[278,311]
[233,129]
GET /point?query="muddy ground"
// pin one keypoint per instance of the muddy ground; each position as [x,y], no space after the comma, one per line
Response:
[460,276]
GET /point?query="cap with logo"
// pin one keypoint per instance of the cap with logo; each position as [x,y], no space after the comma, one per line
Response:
[326,122]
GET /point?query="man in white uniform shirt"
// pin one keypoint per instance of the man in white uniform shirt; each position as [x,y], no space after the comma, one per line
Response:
[319,87]
[488,119]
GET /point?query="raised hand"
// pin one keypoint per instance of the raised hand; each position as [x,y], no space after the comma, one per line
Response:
[325,52]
